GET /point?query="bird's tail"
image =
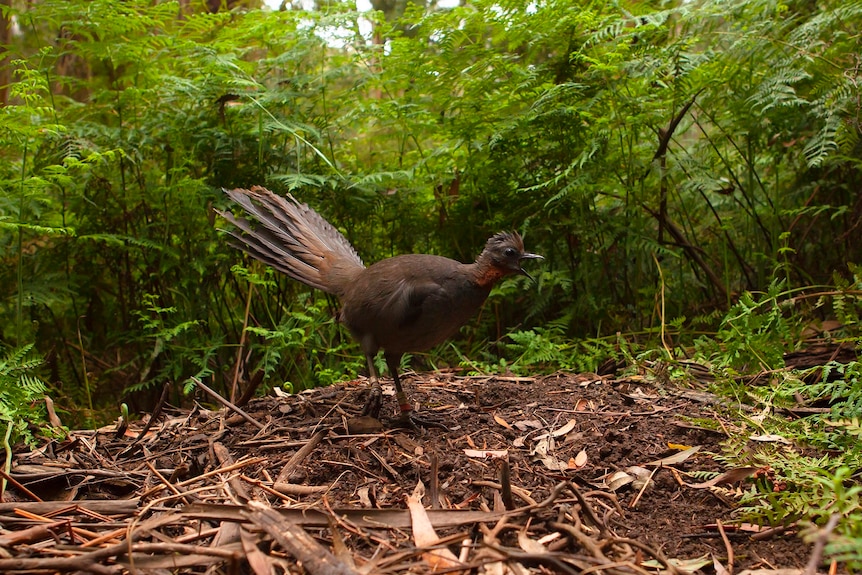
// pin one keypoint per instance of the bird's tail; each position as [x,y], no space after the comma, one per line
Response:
[294,239]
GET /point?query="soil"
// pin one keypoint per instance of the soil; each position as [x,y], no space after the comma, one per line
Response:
[177,494]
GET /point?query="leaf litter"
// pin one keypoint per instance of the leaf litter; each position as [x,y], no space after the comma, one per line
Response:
[558,474]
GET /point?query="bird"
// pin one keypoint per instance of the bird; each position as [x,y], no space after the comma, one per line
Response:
[402,304]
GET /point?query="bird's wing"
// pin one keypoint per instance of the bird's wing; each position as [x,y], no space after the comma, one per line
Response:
[406,302]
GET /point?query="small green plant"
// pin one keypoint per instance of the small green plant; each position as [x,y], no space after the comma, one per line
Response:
[310,343]
[168,361]
[754,334]
[22,405]
[546,349]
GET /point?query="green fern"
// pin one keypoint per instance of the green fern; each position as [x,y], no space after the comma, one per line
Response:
[22,405]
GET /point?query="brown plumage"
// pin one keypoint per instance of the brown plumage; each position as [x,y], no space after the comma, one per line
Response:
[406,303]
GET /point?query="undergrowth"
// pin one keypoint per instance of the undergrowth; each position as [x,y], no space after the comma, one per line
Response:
[801,424]
[22,397]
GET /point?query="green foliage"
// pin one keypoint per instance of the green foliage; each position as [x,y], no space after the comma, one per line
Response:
[811,460]
[841,385]
[125,121]
[308,342]
[755,334]
[22,396]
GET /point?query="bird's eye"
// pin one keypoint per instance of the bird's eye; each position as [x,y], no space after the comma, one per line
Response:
[510,252]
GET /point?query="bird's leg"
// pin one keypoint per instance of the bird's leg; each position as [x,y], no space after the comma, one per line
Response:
[407,418]
[403,403]
[375,394]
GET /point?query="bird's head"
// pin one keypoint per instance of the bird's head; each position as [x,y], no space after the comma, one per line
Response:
[505,252]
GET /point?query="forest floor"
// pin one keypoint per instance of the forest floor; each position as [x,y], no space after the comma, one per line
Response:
[554,474]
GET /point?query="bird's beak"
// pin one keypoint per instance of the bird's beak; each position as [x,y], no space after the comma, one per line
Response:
[529,256]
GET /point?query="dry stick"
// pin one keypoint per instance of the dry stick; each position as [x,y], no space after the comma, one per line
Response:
[772,532]
[228,404]
[74,532]
[207,475]
[20,487]
[615,564]
[335,519]
[384,464]
[118,507]
[552,559]
[609,496]
[396,563]
[88,562]
[225,458]
[83,563]
[299,457]
[315,558]
[820,543]
[260,485]
[646,484]
[166,483]
[506,483]
[588,509]
[434,481]
[254,382]
[112,535]
[519,491]
[31,534]
[585,540]
[726,546]
[183,549]
[294,489]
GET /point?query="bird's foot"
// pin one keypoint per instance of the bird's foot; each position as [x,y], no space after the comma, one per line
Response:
[369,420]
[374,401]
[409,420]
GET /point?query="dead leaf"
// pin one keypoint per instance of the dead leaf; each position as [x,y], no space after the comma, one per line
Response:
[544,446]
[260,562]
[554,464]
[675,458]
[728,477]
[542,451]
[583,405]
[526,424]
[581,459]
[561,431]
[502,421]
[720,569]
[424,535]
[771,438]
[364,498]
[687,565]
[618,480]
[529,545]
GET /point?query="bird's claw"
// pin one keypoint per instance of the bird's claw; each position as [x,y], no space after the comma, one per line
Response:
[374,402]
